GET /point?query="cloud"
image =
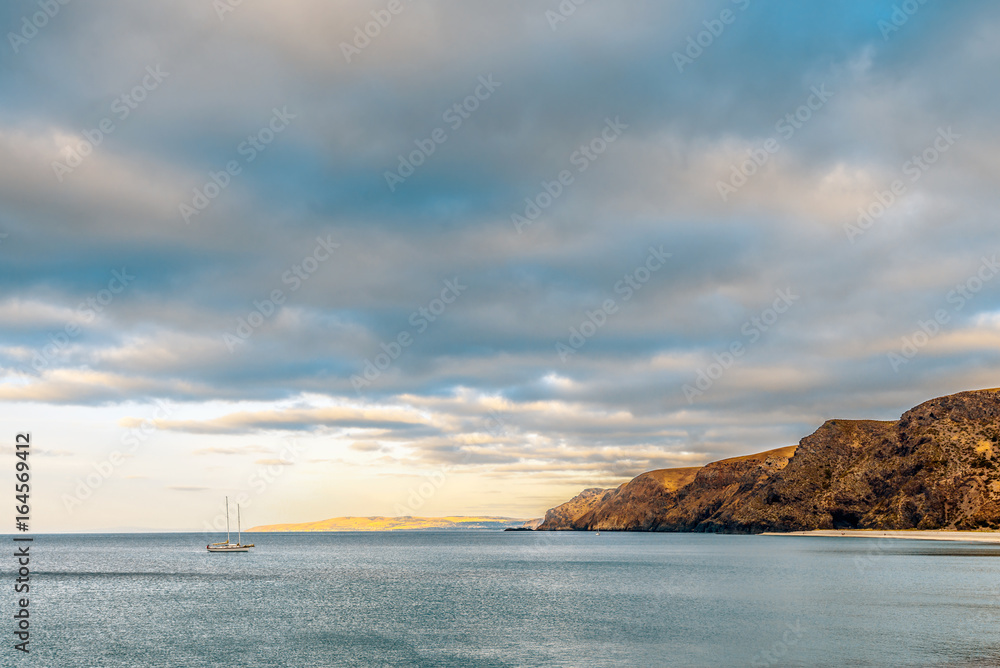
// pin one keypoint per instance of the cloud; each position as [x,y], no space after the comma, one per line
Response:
[366,446]
[274,462]
[480,384]
[242,450]
[292,420]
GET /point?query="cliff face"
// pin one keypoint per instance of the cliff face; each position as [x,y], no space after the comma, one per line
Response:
[563,517]
[934,468]
[721,487]
[937,467]
[637,504]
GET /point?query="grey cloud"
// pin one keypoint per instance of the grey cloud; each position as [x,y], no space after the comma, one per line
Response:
[656,185]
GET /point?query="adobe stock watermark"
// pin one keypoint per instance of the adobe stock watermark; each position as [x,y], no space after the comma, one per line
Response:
[249,149]
[420,320]
[926,330]
[264,475]
[697,43]
[104,469]
[780,648]
[86,312]
[363,35]
[901,13]
[562,12]
[627,287]
[584,156]
[223,7]
[873,556]
[121,108]
[418,495]
[541,543]
[454,116]
[496,424]
[914,168]
[294,277]
[32,23]
[751,330]
[786,127]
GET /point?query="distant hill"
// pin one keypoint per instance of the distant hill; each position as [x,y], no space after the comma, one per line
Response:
[937,467]
[400,524]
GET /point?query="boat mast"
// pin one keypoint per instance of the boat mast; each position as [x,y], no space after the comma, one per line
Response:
[227,520]
[239,527]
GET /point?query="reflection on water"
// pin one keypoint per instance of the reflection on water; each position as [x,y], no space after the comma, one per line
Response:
[513,599]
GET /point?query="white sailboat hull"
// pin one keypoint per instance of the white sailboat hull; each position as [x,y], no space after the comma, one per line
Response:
[229,548]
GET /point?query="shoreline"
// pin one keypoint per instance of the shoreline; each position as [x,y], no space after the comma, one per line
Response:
[909,534]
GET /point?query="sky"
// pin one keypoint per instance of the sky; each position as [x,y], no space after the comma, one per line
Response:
[452,258]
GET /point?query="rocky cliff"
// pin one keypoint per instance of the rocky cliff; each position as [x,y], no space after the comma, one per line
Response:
[934,468]
[564,516]
[637,504]
[627,506]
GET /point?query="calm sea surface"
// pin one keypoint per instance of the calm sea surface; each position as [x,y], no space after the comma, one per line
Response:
[467,599]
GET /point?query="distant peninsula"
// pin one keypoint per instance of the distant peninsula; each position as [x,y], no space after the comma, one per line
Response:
[937,467]
[403,524]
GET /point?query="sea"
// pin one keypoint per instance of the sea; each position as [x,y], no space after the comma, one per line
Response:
[495,599]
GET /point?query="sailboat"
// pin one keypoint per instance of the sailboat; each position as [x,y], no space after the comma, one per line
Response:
[229,546]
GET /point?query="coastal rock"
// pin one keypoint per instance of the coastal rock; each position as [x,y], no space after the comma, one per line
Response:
[936,467]
[637,504]
[720,487]
[563,516]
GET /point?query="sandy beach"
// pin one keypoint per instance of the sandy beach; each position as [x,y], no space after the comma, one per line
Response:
[964,536]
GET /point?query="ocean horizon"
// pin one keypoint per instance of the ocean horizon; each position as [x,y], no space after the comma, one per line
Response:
[493,599]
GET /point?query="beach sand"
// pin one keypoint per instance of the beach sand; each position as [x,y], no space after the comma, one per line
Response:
[965,536]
